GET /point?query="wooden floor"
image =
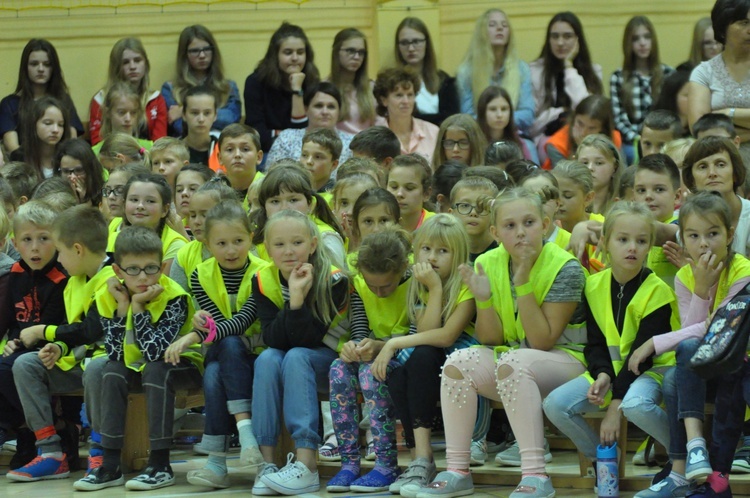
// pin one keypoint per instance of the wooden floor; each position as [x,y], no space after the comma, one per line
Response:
[564,469]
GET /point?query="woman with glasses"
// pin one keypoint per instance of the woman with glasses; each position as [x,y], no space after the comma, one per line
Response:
[129,63]
[437,97]
[721,85]
[704,45]
[349,74]
[199,63]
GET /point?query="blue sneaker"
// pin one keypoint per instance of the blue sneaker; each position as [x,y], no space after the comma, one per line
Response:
[665,488]
[342,481]
[374,482]
[705,491]
[697,465]
[41,468]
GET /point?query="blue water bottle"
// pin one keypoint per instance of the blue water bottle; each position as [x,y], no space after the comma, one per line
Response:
[608,479]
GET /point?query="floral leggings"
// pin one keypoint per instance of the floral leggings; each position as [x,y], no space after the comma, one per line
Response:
[345,379]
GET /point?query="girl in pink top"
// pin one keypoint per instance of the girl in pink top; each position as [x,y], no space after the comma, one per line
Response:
[349,74]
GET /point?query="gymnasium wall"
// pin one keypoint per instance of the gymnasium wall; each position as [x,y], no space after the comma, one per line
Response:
[83,31]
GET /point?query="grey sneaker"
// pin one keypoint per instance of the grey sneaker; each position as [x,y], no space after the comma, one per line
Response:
[534,487]
[260,488]
[478,452]
[447,485]
[419,473]
[666,488]
[512,456]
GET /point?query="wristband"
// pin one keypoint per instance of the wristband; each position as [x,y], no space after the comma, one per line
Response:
[211,330]
[523,290]
[483,305]
[731,113]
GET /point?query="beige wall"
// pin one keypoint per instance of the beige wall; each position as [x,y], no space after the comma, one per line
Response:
[84,35]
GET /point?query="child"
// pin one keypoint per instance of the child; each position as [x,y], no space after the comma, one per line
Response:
[618,323]
[603,158]
[502,153]
[499,177]
[409,179]
[576,193]
[119,148]
[345,195]
[147,200]
[113,204]
[199,113]
[379,143]
[122,113]
[21,179]
[636,86]
[460,139]
[239,157]
[659,127]
[716,125]
[301,299]
[377,315]
[677,150]
[470,203]
[531,305]
[34,295]
[188,180]
[168,156]
[445,177]
[221,287]
[289,187]
[657,186]
[625,187]
[593,115]
[321,149]
[440,309]
[495,118]
[374,210]
[77,163]
[142,313]
[49,125]
[714,276]
[79,237]
[196,251]
[359,165]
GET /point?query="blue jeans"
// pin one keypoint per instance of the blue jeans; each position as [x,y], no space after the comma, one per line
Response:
[227,384]
[293,378]
[640,405]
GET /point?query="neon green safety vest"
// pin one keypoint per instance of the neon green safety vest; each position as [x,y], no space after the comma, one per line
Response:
[659,264]
[387,316]
[190,256]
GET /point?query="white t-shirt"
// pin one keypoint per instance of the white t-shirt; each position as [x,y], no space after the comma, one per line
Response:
[427,103]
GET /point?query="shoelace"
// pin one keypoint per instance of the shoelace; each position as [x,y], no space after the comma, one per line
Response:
[291,469]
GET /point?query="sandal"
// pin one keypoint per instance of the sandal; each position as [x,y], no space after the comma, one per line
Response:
[329,452]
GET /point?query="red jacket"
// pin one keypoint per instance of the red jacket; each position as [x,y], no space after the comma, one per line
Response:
[156,117]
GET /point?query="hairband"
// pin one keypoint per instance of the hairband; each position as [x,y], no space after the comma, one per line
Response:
[141,151]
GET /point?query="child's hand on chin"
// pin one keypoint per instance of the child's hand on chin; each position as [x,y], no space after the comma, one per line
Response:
[149,294]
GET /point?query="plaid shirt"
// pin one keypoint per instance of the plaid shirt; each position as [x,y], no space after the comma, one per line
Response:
[629,125]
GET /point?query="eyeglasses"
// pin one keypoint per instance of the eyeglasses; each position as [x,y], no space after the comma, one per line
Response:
[208,50]
[134,271]
[118,191]
[465,209]
[463,144]
[351,52]
[79,171]
[417,42]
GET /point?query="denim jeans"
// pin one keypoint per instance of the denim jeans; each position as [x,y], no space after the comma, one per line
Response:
[732,394]
[292,379]
[641,405]
[227,384]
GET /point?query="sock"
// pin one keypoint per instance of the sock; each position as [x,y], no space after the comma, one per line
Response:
[461,472]
[540,476]
[111,460]
[696,442]
[159,458]
[718,481]
[217,463]
[746,441]
[245,429]
[52,454]
[678,479]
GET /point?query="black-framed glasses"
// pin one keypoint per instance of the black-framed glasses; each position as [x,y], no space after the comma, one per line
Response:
[351,52]
[208,50]
[463,144]
[79,171]
[118,191]
[417,42]
[465,209]
[134,271]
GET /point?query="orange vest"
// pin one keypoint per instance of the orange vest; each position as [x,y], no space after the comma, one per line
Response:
[561,141]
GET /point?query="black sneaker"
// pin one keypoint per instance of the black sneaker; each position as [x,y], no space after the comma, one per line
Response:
[100,478]
[25,449]
[153,477]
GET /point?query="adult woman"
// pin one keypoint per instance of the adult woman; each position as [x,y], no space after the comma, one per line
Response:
[437,98]
[492,60]
[274,92]
[349,74]
[323,107]
[396,90]
[199,63]
[563,75]
[38,75]
[129,63]
[704,45]
[722,84]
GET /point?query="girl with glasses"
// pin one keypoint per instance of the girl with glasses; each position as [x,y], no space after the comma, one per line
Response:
[459,139]
[349,74]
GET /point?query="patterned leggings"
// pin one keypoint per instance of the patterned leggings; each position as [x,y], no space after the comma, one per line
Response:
[345,379]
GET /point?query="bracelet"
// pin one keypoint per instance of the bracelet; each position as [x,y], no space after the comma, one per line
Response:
[483,305]
[525,289]
[731,113]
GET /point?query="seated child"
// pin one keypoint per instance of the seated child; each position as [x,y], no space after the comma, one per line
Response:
[199,114]
[321,150]
[168,155]
[470,202]
[239,157]
[378,143]
[716,125]
[659,127]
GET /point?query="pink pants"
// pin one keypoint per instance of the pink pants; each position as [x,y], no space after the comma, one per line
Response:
[528,376]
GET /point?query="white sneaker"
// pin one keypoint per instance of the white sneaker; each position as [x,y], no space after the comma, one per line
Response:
[512,456]
[295,478]
[478,452]
[251,456]
[260,488]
